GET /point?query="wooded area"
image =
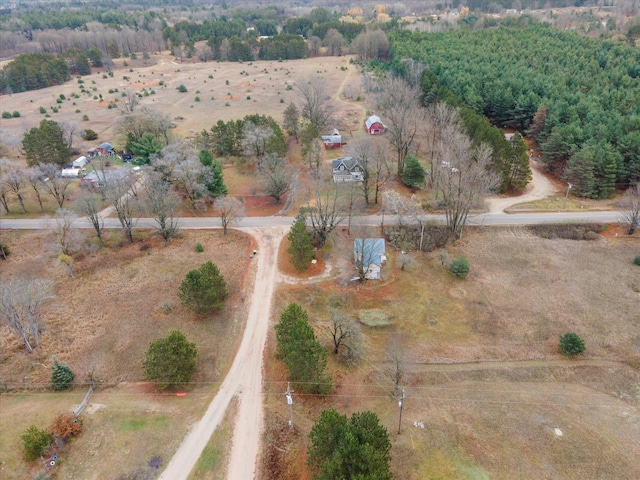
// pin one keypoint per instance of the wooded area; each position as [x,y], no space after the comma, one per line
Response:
[578,97]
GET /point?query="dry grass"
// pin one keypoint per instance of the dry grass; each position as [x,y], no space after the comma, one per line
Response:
[101,324]
[496,419]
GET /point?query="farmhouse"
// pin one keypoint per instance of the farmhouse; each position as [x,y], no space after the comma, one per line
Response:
[370,252]
[99,178]
[104,149]
[332,141]
[347,169]
[374,125]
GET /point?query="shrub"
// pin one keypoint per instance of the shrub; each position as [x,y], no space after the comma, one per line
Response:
[61,376]
[34,443]
[54,109]
[43,110]
[6,114]
[199,248]
[571,344]
[85,118]
[460,266]
[4,251]
[15,114]
[171,360]
[636,260]
[197,99]
[89,134]
[181,88]
[65,427]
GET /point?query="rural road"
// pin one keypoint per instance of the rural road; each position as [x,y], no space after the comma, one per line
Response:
[244,379]
[499,218]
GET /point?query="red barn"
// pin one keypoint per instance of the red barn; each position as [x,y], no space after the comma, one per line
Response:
[374,125]
[332,141]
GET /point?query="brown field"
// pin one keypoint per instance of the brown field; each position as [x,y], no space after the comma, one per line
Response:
[101,323]
[481,365]
[265,82]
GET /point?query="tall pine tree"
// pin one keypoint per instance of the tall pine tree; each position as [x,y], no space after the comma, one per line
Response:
[301,248]
[516,172]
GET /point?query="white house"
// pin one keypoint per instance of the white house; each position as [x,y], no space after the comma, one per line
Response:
[80,162]
[371,252]
[347,169]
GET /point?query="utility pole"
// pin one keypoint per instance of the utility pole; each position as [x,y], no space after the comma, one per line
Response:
[400,404]
[290,403]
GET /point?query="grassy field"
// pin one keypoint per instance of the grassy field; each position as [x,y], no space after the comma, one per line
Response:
[485,382]
[101,323]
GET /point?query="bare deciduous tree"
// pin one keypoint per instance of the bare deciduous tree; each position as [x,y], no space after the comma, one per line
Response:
[291,121]
[370,45]
[192,177]
[53,182]
[21,307]
[323,211]
[33,177]
[631,208]
[400,103]
[70,130]
[142,121]
[276,176]
[128,102]
[163,203]
[15,181]
[346,336]
[334,41]
[255,140]
[230,209]
[89,205]
[117,191]
[314,154]
[366,254]
[317,106]
[465,177]
[67,236]
[373,158]
[441,118]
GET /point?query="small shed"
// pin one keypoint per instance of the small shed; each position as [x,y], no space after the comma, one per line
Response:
[80,162]
[374,125]
[332,141]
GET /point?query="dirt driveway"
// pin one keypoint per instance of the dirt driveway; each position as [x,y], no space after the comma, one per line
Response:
[244,379]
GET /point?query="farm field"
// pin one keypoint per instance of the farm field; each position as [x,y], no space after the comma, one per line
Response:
[490,395]
[222,87]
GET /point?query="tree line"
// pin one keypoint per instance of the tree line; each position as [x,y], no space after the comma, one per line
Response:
[578,97]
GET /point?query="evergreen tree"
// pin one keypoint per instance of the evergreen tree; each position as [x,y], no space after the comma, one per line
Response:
[46,144]
[204,289]
[216,187]
[579,172]
[516,171]
[61,376]
[301,352]
[145,146]
[301,249]
[413,172]
[357,448]
[170,361]
[34,443]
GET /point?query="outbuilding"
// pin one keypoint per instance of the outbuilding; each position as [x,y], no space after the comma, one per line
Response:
[374,125]
[80,162]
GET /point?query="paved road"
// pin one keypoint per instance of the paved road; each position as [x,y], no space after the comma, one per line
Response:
[370,220]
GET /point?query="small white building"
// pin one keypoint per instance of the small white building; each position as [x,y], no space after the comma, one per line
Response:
[80,162]
[70,173]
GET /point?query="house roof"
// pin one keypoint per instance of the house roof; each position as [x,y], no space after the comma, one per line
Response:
[372,249]
[373,119]
[348,162]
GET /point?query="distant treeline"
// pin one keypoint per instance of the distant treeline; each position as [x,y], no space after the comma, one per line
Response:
[578,97]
